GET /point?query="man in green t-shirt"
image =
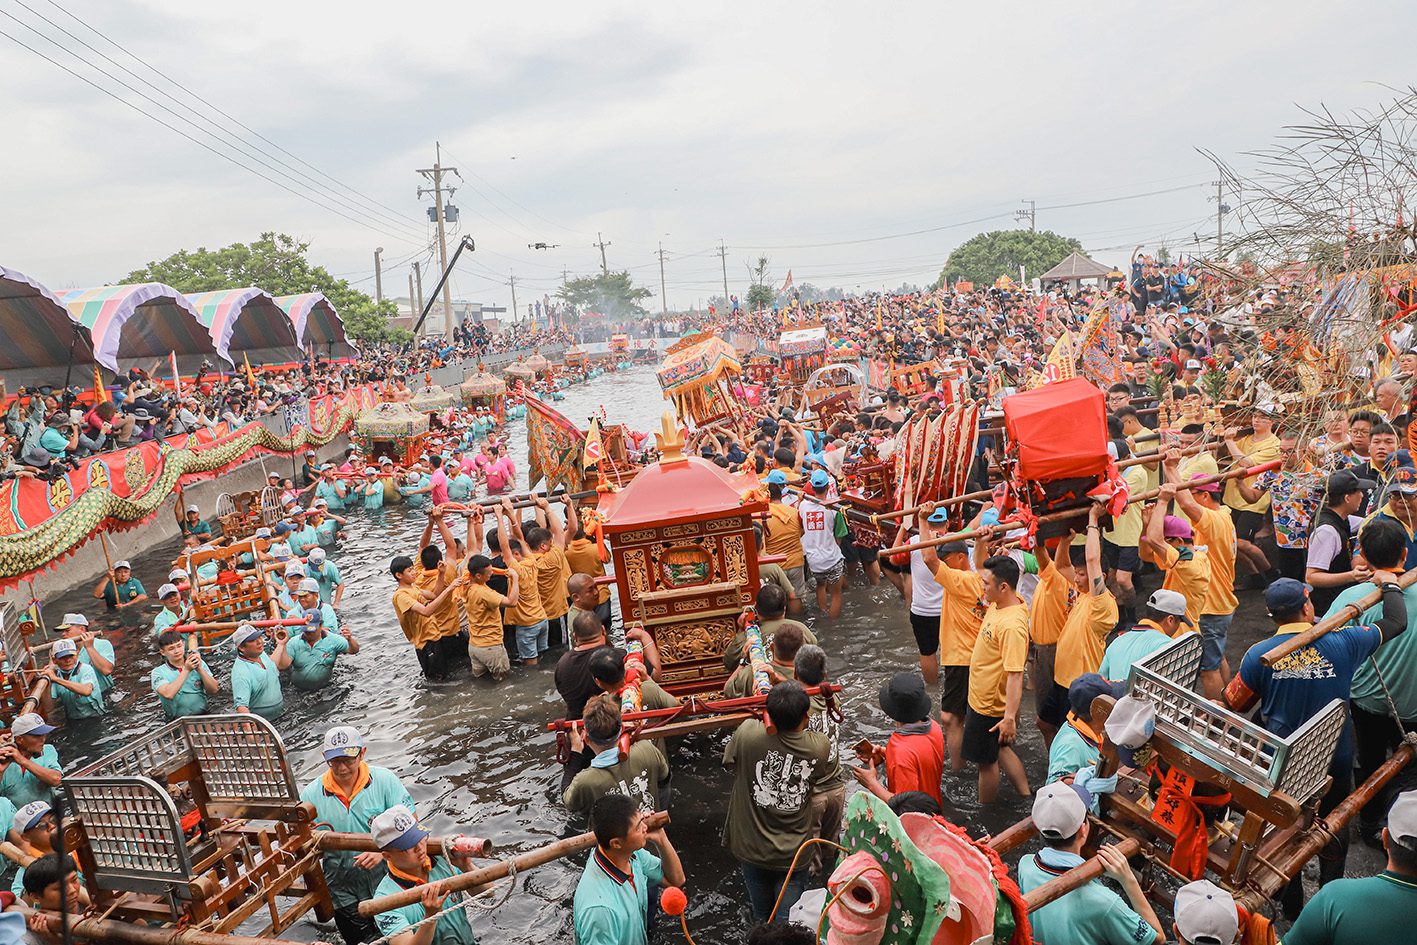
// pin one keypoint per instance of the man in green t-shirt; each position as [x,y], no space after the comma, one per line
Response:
[255,676]
[405,847]
[775,776]
[637,776]
[122,590]
[183,681]
[1375,908]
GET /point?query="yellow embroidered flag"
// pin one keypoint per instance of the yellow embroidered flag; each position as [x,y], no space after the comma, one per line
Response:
[100,393]
[1061,364]
[250,374]
[593,448]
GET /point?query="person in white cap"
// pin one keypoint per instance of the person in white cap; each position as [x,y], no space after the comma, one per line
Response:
[291,577]
[305,537]
[183,681]
[370,489]
[331,489]
[122,590]
[321,640]
[1205,914]
[173,608]
[193,524]
[31,765]
[404,845]
[255,675]
[74,684]
[94,651]
[329,527]
[319,567]
[348,796]
[1165,619]
[33,824]
[1092,913]
[1375,909]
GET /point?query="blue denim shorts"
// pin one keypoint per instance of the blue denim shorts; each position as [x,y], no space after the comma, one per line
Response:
[532,640]
[1215,631]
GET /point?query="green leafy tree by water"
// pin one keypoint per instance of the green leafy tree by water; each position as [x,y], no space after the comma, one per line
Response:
[988,256]
[613,294]
[279,264]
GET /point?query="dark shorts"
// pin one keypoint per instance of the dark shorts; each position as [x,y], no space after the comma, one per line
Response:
[858,554]
[1246,524]
[888,565]
[1052,703]
[1118,558]
[980,745]
[927,633]
[954,691]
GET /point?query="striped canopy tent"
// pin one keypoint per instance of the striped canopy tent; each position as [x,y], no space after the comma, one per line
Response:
[131,325]
[247,324]
[39,332]
[317,323]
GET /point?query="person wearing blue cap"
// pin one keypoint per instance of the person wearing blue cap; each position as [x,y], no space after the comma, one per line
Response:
[1079,742]
[784,536]
[348,796]
[1301,684]
[821,527]
[404,845]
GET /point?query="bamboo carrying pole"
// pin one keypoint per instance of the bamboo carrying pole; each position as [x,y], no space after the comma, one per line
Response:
[233,624]
[110,930]
[1334,622]
[1075,513]
[364,843]
[488,874]
[1079,875]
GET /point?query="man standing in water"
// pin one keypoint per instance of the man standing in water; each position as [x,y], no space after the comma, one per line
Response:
[183,681]
[348,797]
[612,898]
[404,845]
[255,676]
[996,680]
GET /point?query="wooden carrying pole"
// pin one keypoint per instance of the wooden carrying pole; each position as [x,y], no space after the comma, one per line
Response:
[1082,510]
[1350,611]
[109,931]
[1079,875]
[481,877]
[364,843]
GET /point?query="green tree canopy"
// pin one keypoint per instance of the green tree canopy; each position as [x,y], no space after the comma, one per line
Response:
[610,294]
[277,263]
[759,294]
[988,256]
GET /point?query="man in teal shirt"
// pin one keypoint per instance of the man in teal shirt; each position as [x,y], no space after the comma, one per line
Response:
[1091,913]
[172,608]
[255,676]
[31,765]
[460,485]
[314,650]
[183,681]
[1078,745]
[305,537]
[93,651]
[1165,620]
[404,845]
[371,490]
[348,797]
[327,526]
[123,590]
[1373,909]
[329,488]
[612,897]
[74,684]
[319,567]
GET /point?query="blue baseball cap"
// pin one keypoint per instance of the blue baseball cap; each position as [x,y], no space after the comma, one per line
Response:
[777,478]
[938,517]
[1286,596]
[821,479]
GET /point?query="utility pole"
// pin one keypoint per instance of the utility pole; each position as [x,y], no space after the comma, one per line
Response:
[378,276]
[663,295]
[723,258]
[1220,209]
[604,267]
[435,174]
[413,308]
[565,276]
[513,283]
[1031,215]
[418,277]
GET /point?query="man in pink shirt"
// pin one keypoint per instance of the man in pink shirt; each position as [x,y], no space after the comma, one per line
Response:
[499,472]
[438,481]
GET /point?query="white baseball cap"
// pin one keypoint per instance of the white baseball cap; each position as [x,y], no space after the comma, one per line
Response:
[294,569]
[165,590]
[178,574]
[343,741]
[396,829]
[73,620]
[320,503]
[244,633]
[193,508]
[385,461]
[316,555]
[29,815]
[263,532]
[1402,818]
[122,564]
[1169,602]
[1058,811]
[308,586]
[31,723]
[370,471]
[1131,723]
[64,647]
[1205,914]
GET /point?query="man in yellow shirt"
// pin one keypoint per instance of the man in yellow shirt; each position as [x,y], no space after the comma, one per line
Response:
[1170,542]
[527,617]
[1083,639]
[961,609]
[416,608]
[1121,542]
[1140,439]
[784,536]
[1204,461]
[1261,446]
[547,542]
[996,680]
[483,606]
[1047,613]
[1216,533]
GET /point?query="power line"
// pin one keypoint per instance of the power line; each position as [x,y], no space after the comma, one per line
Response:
[145,64]
[202,144]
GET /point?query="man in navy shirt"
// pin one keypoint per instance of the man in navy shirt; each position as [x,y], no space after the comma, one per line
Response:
[1298,686]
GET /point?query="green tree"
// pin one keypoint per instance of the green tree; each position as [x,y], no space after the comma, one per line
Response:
[760,294]
[988,256]
[277,263]
[612,294]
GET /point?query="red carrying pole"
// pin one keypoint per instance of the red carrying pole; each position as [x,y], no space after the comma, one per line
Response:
[233,624]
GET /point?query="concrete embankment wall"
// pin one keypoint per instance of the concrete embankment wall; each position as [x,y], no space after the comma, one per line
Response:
[84,567]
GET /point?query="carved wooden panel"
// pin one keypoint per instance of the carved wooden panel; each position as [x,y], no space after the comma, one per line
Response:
[735,559]
[636,572]
[695,640]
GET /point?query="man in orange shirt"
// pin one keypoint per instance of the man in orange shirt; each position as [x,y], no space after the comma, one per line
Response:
[784,536]
[584,558]
[417,608]
[961,609]
[547,542]
[996,678]
[1215,530]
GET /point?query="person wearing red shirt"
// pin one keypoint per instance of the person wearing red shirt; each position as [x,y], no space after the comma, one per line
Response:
[914,756]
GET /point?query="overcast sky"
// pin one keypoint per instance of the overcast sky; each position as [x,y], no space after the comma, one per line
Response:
[814,133]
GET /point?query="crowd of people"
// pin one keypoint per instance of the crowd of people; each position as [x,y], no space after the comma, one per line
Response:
[518,585]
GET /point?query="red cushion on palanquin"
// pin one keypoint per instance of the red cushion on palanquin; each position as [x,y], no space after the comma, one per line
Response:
[1059,430]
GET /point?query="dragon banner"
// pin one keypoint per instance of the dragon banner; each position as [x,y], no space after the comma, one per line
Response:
[42,522]
[555,447]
